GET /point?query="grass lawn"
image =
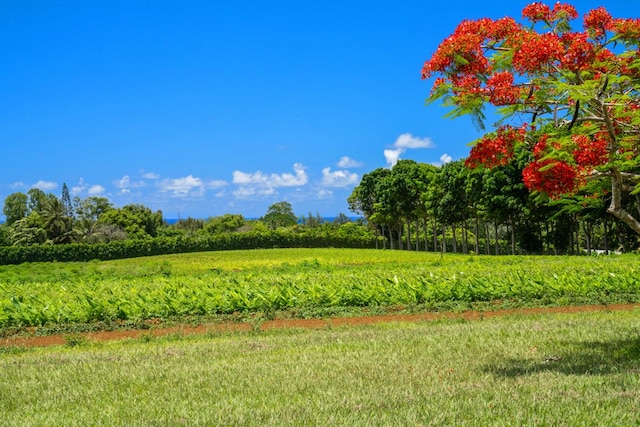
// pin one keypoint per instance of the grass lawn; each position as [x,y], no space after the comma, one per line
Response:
[561,369]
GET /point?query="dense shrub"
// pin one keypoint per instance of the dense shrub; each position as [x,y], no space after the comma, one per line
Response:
[180,244]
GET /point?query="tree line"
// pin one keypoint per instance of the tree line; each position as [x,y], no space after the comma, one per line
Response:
[39,218]
[418,206]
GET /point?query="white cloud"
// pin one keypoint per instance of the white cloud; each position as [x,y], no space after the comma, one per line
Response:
[216,183]
[94,190]
[45,185]
[125,183]
[403,143]
[339,178]
[150,175]
[392,156]
[259,183]
[245,192]
[75,190]
[406,140]
[445,158]
[181,187]
[324,194]
[272,180]
[17,185]
[348,162]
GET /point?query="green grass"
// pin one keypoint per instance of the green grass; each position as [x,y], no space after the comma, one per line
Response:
[299,283]
[556,370]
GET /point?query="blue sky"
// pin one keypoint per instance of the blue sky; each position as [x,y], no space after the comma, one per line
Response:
[200,108]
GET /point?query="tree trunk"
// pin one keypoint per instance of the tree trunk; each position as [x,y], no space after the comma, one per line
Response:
[476,230]
[615,207]
[455,240]
[495,229]
[465,237]
[426,233]
[444,238]
[487,239]
[408,235]
[587,236]
[513,237]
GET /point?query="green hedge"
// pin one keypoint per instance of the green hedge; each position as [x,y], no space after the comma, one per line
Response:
[171,245]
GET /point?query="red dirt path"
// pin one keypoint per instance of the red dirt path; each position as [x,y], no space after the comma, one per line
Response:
[48,340]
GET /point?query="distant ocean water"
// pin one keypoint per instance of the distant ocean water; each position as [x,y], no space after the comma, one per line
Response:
[324,218]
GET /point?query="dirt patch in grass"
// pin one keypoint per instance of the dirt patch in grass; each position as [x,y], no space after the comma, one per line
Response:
[59,339]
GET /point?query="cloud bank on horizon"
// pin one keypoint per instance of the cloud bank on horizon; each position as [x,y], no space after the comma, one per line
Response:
[150,188]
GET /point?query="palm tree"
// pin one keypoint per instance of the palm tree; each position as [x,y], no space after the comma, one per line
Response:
[58,225]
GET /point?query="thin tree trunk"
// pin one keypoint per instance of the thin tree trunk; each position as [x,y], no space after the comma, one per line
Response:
[487,239]
[455,240]
[495,229]
[426,233]
[408,235]
[476,229]
[513,237]
[465,237]
[444,238]
[375,231]
[587,236]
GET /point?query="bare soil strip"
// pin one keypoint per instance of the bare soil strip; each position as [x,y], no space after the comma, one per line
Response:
[49,340]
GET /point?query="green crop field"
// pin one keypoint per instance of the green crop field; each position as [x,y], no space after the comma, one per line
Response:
[301,283]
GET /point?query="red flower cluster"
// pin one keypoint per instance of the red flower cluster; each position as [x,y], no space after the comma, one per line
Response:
[501,90]
[626,29]
[579,52]
[540,12]
[597,22]
[588,152]
[540,147]
[495,150]
[536,12]
[463,51]
[533,53]
[552,177]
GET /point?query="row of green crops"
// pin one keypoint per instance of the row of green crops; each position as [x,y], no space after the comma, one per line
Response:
[300,280]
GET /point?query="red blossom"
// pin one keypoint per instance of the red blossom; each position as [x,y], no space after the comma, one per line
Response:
[552,177]
[536,12]
[579,54]
[563,11]
[540,147]
[495,150]
[627,29]
[534,52]
[501,89]
[597,22]
[503,28]
[590,152]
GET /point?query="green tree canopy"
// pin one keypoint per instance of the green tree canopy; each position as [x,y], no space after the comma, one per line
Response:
[280,215]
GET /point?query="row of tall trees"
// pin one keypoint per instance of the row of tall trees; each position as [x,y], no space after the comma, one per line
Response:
[418,206]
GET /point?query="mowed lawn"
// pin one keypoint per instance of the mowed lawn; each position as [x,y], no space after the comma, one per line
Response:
[579,369]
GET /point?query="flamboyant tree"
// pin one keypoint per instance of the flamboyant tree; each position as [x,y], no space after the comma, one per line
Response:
[569,100]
